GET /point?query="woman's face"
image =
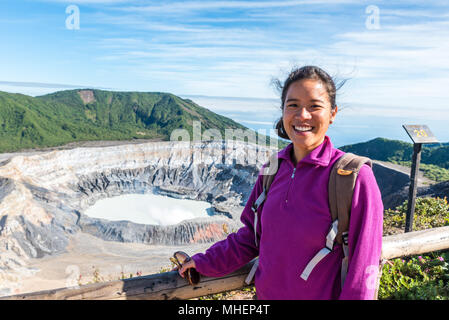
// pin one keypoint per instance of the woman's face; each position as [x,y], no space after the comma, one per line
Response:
[307,114]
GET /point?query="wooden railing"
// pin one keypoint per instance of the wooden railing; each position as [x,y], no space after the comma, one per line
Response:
[170,285]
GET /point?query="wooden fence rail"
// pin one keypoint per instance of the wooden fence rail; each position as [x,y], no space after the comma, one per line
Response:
[170,285]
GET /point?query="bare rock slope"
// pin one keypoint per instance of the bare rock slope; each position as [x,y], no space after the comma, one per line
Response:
[43,196]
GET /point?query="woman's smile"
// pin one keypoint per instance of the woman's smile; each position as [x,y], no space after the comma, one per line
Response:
[302,129]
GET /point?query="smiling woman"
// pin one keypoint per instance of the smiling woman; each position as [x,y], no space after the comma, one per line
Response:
[304,252]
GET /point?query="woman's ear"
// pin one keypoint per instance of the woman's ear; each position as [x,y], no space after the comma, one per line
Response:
[333,114]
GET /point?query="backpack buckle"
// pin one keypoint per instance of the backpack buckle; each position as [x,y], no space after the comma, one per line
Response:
[344,237]
[331,235]
[344,172]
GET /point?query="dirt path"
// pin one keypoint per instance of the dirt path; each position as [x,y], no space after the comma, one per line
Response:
[91,257]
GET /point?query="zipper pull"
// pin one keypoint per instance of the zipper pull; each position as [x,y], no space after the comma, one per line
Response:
[293,174]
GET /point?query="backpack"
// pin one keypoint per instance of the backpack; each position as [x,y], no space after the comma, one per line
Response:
[342,178]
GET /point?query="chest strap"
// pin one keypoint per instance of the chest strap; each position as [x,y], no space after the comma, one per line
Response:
[323,252]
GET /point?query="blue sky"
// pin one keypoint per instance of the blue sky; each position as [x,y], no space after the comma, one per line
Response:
[398,66]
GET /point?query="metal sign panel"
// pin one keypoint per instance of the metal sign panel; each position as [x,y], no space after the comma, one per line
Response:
[420,133]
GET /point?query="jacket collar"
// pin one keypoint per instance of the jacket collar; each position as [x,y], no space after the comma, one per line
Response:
[321,155]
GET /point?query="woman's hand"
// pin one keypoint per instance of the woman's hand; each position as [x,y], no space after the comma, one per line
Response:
[186,267]
[189,264]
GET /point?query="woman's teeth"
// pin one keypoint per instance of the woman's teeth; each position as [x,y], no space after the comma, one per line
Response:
[302,128]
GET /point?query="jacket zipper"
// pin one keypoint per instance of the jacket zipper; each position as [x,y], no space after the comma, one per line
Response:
[290,184]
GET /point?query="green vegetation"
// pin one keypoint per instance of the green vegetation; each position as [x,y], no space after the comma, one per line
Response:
[83,115]
[434,158]
[417,277]
[429,213]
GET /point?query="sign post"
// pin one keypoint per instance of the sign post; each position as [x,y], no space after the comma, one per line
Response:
[419,134]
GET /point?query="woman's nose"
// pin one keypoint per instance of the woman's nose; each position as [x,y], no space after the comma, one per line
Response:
[303,113]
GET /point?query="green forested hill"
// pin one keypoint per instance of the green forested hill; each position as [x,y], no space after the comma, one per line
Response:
[80,115]
[394,150]
[434,158]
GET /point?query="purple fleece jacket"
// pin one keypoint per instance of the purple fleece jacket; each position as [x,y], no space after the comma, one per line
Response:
[294,221]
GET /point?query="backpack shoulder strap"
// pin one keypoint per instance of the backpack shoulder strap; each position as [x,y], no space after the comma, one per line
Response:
[270,169]
[269,172]
[341,187]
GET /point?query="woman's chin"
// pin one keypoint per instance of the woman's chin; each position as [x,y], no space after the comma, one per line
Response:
[306,141]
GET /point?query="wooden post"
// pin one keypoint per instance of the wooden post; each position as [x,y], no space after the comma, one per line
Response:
[160,286]
[414,243]
[413,185]
[419,134]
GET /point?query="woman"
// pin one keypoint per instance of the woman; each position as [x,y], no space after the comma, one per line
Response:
[295,216]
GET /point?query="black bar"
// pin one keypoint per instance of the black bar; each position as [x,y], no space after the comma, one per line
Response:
[413,186]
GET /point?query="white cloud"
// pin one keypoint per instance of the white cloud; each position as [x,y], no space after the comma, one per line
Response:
[184,6]
[414,13]
[77,2]
[237,105]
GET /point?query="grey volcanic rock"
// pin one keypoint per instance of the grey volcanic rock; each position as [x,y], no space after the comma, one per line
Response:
[394,181]
[6,186]
[439,190]
[390,182]
[189,231]
[44,196]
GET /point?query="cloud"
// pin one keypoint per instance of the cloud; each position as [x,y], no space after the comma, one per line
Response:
[236,104]
[414,13]
[266,123]
[240,59]
[86,2]
[45,85]
[184,6]
[38,84]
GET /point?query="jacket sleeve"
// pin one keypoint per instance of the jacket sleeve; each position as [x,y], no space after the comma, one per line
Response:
[237,249]
[365,238]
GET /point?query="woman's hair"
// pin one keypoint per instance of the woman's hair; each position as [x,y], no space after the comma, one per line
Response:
[305,73]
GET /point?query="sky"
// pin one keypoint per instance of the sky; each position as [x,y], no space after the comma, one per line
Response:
[394,54]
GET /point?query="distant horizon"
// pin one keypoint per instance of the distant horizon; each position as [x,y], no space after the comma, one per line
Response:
[355,123]
[67,87]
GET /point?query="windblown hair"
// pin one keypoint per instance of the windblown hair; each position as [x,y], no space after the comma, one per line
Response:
[305,73]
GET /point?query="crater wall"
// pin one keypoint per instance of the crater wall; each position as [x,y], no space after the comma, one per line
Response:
[43,196]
